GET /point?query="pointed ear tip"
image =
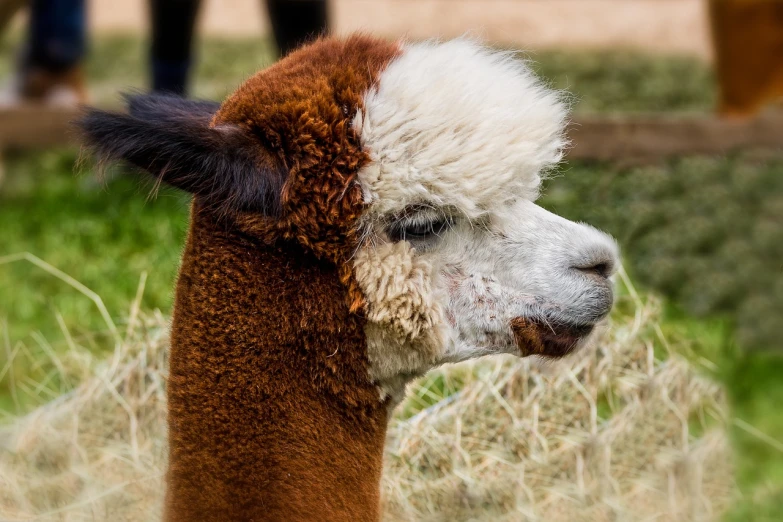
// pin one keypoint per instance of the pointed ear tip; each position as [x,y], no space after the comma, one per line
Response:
[89,122]
[85,121]
[104,135]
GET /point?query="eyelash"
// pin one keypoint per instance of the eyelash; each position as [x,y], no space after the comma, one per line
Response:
[417,230]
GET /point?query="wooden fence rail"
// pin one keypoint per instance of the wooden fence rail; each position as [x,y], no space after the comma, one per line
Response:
[632,137]
[645,138]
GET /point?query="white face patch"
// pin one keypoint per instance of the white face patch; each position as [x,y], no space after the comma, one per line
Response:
[457,261]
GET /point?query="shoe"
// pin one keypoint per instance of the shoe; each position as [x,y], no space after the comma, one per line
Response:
[39,86]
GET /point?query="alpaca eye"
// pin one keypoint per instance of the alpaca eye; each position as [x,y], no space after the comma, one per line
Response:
[417,229]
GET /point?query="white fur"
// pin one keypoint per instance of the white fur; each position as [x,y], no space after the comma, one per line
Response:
[456,124]
[522,263]
[405,326]
[466,132]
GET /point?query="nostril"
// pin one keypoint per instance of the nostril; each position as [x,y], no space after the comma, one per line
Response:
[602,269]
[595,256]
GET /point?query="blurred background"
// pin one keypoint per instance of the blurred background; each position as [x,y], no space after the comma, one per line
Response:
[677,152]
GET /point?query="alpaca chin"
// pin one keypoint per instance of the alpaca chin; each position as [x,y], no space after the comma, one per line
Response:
[548,339]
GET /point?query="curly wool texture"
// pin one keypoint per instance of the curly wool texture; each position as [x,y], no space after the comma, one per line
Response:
[272,414]
[302,108]
[405,334]
[457,124]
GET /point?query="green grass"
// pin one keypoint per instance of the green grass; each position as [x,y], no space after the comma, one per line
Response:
[103,235]
[753,383]
[699,230]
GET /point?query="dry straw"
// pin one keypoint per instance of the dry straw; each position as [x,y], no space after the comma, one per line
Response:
[627,429]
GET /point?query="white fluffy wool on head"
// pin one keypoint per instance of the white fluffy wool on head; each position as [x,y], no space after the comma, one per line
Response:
[457,124]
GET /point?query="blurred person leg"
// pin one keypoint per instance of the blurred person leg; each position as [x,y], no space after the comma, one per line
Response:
[173,24]
[748,42]
[295,22]
[50,66]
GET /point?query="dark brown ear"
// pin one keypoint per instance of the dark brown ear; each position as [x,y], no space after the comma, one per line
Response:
[171,138]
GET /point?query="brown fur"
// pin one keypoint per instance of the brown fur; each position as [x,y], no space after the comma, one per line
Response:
[302,108]
[271,412]
[546,338]
[271,415]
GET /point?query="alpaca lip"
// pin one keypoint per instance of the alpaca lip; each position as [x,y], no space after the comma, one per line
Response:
[535,336]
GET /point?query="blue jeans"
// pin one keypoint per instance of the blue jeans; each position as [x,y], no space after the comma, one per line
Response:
[57,38]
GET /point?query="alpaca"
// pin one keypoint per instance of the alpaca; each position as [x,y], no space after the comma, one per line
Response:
[363,211]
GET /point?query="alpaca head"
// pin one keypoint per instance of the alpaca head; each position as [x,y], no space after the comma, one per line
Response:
[456,261]
[412,167]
